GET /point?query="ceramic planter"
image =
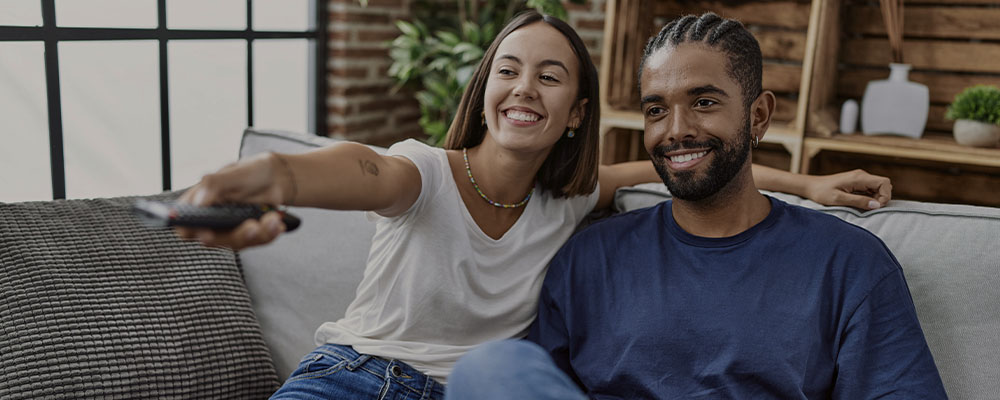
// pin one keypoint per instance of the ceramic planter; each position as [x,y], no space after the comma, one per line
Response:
[975,133]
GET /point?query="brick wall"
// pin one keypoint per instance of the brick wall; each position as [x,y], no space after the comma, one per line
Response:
[360,102]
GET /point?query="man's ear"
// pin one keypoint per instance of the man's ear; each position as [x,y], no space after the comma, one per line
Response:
[577,113]
[761,112]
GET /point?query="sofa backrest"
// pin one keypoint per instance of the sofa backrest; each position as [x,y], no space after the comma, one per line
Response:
[951,259]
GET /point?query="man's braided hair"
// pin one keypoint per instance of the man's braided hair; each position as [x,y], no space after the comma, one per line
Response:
[730,36]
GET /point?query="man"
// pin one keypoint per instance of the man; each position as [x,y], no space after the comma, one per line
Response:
[721,292]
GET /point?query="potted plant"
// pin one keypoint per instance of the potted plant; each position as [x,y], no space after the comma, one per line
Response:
[976,112]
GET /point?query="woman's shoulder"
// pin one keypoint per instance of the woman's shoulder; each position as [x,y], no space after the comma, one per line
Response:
[414,147]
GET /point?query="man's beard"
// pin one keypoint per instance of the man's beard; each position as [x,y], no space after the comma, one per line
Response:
[728,162]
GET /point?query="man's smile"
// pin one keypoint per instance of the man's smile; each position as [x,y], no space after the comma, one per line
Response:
[686,160]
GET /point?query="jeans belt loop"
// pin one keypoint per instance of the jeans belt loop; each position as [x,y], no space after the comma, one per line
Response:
[358,362]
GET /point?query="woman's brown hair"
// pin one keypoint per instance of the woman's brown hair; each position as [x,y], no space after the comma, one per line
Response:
[571,167]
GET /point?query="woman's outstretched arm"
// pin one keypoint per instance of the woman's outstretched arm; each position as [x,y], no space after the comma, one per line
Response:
[346,176]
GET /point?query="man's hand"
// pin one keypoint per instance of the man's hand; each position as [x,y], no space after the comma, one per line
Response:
[856,188]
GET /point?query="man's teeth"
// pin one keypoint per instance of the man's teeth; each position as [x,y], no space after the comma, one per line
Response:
[522,116]
[687,157]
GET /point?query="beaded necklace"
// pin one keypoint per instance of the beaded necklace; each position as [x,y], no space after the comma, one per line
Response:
[468,171]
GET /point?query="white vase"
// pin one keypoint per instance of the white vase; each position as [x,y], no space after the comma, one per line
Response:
[895,106]
[975,133]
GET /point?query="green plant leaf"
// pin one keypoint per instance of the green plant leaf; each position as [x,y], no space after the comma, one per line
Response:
[428,100]
[448,38]
[471,32]
[408,42]
[463,74]
[440,63]
[489,32]
[408,29]
[437,88]
[465,47]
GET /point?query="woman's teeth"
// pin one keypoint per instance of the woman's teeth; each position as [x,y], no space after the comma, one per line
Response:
[687,157]
[522,116]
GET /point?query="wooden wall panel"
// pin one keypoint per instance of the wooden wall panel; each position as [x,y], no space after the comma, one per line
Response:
[784,78]
[929,22]
[782,45]
[782,13]
[925,54]
[784,110]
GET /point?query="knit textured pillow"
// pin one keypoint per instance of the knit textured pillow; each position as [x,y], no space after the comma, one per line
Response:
[94,305]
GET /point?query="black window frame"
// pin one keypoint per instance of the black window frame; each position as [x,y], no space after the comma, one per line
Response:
[51,34]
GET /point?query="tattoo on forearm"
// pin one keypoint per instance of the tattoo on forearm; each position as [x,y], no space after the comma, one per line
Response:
[368,167]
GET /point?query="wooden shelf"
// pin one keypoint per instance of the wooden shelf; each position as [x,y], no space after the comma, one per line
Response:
[932,146]
[817,54]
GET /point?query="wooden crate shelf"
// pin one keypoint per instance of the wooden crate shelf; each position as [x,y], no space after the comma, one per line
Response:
[818,54]
[933,147]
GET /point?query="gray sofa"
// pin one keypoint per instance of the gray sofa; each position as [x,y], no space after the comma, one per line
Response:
[94,305]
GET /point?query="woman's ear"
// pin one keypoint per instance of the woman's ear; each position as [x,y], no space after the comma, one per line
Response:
[577,113]
[761,112]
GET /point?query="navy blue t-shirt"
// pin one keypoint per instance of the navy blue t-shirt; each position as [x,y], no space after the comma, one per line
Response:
[802,305]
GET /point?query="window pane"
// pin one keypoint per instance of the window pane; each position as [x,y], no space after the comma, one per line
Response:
[281,84]
[111,117]
[208,106]
[201,14]
[21,13]
[282,15]
[24,148]
[106,13]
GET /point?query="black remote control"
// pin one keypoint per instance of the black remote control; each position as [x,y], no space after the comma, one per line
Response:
[159,214]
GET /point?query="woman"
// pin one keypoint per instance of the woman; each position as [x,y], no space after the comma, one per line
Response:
[468,230]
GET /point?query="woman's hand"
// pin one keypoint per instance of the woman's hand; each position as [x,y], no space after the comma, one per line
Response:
[262,179]
[856,188]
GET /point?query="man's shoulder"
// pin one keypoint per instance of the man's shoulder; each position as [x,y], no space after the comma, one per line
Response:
[846,247]
[808,223]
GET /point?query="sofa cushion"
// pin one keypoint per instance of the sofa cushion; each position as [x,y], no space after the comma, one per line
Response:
[308,276]
[951,258]
[94,305]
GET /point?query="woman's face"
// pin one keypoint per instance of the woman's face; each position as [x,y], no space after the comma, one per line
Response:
[531,89]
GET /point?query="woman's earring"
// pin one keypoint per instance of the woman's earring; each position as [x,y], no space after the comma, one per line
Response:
[570,134]
[482,116]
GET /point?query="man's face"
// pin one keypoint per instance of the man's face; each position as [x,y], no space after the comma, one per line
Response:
[697,130]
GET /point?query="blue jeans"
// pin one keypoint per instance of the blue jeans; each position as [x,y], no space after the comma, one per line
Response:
[338,372]
[510,369]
